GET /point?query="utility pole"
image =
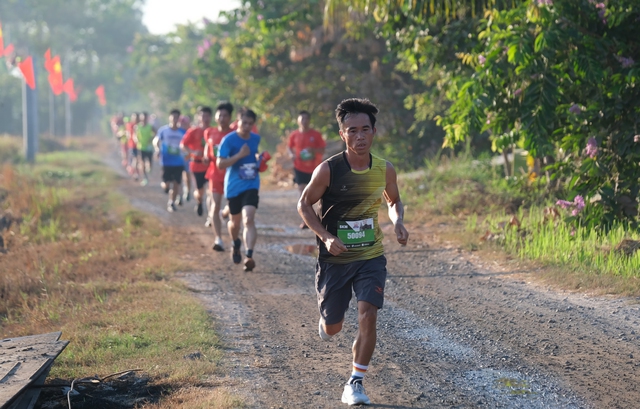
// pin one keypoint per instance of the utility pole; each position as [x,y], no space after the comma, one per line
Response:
[30,117]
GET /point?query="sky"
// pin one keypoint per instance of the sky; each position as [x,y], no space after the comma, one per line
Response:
[161,16]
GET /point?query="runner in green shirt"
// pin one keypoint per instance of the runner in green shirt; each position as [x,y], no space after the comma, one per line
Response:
[144,140]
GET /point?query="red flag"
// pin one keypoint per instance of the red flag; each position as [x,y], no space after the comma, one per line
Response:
[1,42]
[101,97]
[69,89]
[8,50]
[55,75]
[26,66]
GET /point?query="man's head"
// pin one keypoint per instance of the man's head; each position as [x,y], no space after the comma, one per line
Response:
[304,119]
[144,118]
[174,118]
[357,120]
[185,121]
[139,116]
[134,118]
[247,120]
[206,116]
[223,114]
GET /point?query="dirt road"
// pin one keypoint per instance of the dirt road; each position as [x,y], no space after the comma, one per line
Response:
[454,333]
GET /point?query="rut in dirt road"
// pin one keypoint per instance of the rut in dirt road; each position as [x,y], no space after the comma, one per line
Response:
[452,334]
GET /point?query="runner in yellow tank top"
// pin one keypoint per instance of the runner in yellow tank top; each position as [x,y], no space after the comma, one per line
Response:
[350,186]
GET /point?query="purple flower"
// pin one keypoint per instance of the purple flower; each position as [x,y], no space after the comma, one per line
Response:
[564,204]
[206,44]
[260,17]
[545,2]
[592,148]
[517,92]
[578,202]
[201,51]
[575,109]
[636,138]
[206,21]
[482,59]
[626,62]
[600,6]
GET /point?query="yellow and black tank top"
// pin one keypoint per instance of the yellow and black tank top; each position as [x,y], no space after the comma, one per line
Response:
[349,209]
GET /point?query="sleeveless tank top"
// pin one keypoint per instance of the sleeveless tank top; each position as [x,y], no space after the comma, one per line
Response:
[349,209]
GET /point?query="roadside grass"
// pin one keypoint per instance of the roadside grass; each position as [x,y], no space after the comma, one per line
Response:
[488,213]
[78,259]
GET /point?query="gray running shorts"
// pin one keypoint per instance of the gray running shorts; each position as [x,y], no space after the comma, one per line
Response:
[336,282]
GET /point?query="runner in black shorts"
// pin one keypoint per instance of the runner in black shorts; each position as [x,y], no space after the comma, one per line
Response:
[238,154]
[167,145]
[350,187]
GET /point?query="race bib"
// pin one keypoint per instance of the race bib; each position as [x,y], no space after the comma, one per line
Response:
[173,150]
[248,171]
[306,155]
[359,233]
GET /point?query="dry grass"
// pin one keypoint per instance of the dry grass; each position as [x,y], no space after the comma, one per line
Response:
[77,259]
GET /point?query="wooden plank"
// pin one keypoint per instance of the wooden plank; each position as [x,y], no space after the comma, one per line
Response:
[24,362]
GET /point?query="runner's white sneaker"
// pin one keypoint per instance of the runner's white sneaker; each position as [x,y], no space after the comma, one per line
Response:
[323,335]
[354,395]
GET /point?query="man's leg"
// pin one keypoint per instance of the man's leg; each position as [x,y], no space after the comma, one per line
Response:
[216,223]
[235,222]
[365,341]
[250,235]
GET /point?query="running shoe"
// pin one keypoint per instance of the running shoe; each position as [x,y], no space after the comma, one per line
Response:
[249,264]
[208,222]
[218,245]
[323,335]
[144,182]
[236,256]
[354,395]
[198,209]
[171,207]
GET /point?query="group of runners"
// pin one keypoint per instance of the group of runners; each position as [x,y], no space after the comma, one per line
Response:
[348,187]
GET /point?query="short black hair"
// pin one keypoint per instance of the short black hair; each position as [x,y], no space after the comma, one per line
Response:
[225,106]
[175,112]
[303,112]
[145,114]
[249,113]
[356,106]
[205,110]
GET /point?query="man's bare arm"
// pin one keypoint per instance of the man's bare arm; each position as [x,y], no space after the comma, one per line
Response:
[396,208]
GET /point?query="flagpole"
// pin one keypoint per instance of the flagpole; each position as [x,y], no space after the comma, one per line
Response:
[52,114]
[30,118]
[67,101]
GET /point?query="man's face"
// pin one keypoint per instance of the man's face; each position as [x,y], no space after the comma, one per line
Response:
[245,124]
[303,121]
[134,118]
[174,119]
[357,133]
[205,117]
[144,119]
[223,118]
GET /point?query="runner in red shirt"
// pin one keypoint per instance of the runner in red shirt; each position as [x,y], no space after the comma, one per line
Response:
[214,136]
[132,147]
[305,147]
[193,145]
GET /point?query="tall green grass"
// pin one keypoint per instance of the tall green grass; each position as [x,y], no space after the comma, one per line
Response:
[471,190]
[560,243]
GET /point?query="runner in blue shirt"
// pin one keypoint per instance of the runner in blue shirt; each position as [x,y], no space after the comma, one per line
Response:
[167,145]
[238,153]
